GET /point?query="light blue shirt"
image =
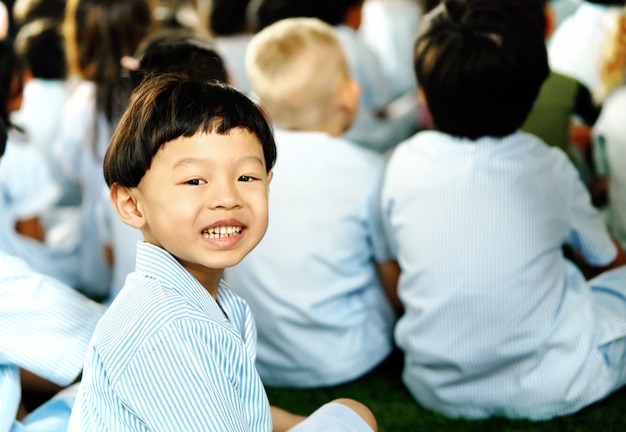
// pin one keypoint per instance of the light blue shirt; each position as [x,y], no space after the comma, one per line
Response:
[609,156]
[81,143]
[167,356]
[26,191]
[497,321]
[389,27]
[312,284]
[45,328]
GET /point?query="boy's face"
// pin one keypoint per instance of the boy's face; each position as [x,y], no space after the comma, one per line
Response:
[204,199]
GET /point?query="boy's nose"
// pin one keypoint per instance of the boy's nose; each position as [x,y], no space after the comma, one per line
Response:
[225,194]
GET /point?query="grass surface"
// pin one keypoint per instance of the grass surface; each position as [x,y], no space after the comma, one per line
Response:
[396,411]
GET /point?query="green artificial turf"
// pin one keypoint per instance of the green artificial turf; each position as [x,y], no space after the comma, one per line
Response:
[396,411]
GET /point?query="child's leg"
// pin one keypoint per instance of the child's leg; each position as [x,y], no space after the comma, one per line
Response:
[609,291]
[340,415]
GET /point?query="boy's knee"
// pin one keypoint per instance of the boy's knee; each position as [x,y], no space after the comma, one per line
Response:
[362,410]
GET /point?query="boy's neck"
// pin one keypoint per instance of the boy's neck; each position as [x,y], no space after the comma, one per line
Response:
[208,278]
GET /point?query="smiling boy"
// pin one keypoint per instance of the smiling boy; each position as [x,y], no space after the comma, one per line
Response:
[189,164]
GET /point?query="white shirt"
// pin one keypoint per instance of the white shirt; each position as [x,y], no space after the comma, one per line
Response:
[312,284]
[609,137]
[496,321]
[575,47]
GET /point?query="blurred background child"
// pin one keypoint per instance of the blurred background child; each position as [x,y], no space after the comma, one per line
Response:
[318,279]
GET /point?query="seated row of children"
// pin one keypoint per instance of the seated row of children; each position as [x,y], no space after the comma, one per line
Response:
[475,214]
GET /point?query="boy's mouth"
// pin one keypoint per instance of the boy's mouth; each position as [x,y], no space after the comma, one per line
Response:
[221,232]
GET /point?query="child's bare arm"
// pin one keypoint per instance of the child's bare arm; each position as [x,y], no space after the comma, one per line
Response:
[284,420]
[389,272]
[30,228]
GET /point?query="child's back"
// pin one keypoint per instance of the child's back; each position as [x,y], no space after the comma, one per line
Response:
[497,321]
[324,235]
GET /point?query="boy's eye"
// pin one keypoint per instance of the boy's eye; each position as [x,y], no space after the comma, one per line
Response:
[195,182]
[245,178]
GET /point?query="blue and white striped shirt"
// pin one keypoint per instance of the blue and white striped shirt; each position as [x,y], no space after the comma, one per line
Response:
[45,328]
[167,356]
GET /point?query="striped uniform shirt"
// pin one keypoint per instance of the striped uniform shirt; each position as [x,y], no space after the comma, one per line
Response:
[496,321]
[45,328]
[167,356]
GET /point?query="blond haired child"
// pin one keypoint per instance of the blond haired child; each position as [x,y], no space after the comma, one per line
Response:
[316,284]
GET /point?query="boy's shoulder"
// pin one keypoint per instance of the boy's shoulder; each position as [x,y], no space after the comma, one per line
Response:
[327,146]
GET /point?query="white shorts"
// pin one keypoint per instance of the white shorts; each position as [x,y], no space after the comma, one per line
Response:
[333,417]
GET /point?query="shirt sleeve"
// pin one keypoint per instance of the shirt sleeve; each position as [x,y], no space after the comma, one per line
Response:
[588,231]
[10,395]
[45,326]
[380,245]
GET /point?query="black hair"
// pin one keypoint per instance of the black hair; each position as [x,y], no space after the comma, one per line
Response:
[332,12]
[480,64]
[40,44]
[228,17]
[168,106]
[10,70]
[3,138]
[182,52]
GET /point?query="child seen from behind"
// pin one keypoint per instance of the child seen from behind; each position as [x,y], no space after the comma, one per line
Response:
[497,321]
[324,318]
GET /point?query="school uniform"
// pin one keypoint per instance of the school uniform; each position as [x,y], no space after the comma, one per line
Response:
[40,116]
[45,328]
[609,154]
[26,191]
[497,322]
[312,284]
[80,147]
[374,127]
[167,356]
[389,28]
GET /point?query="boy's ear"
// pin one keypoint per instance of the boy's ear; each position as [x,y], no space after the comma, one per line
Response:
[421,97]
[349,100]
[126,207]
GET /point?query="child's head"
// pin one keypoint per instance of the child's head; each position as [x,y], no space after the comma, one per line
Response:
[332,12]
[189,164]
[40,44]
[11,85]
[168,106]
[480,65]
[179,51]
[98,33]
[228,17]
[299,72]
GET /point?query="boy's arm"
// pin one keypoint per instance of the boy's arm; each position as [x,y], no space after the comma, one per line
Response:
[284,420]
[389,273]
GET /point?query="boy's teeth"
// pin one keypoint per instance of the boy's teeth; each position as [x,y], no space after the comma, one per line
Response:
[219,232]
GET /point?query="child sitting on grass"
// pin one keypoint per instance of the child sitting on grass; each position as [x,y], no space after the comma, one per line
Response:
[326,234]
[497,321]
[189,164]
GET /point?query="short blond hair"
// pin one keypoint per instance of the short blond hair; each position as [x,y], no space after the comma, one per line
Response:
[297,68]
